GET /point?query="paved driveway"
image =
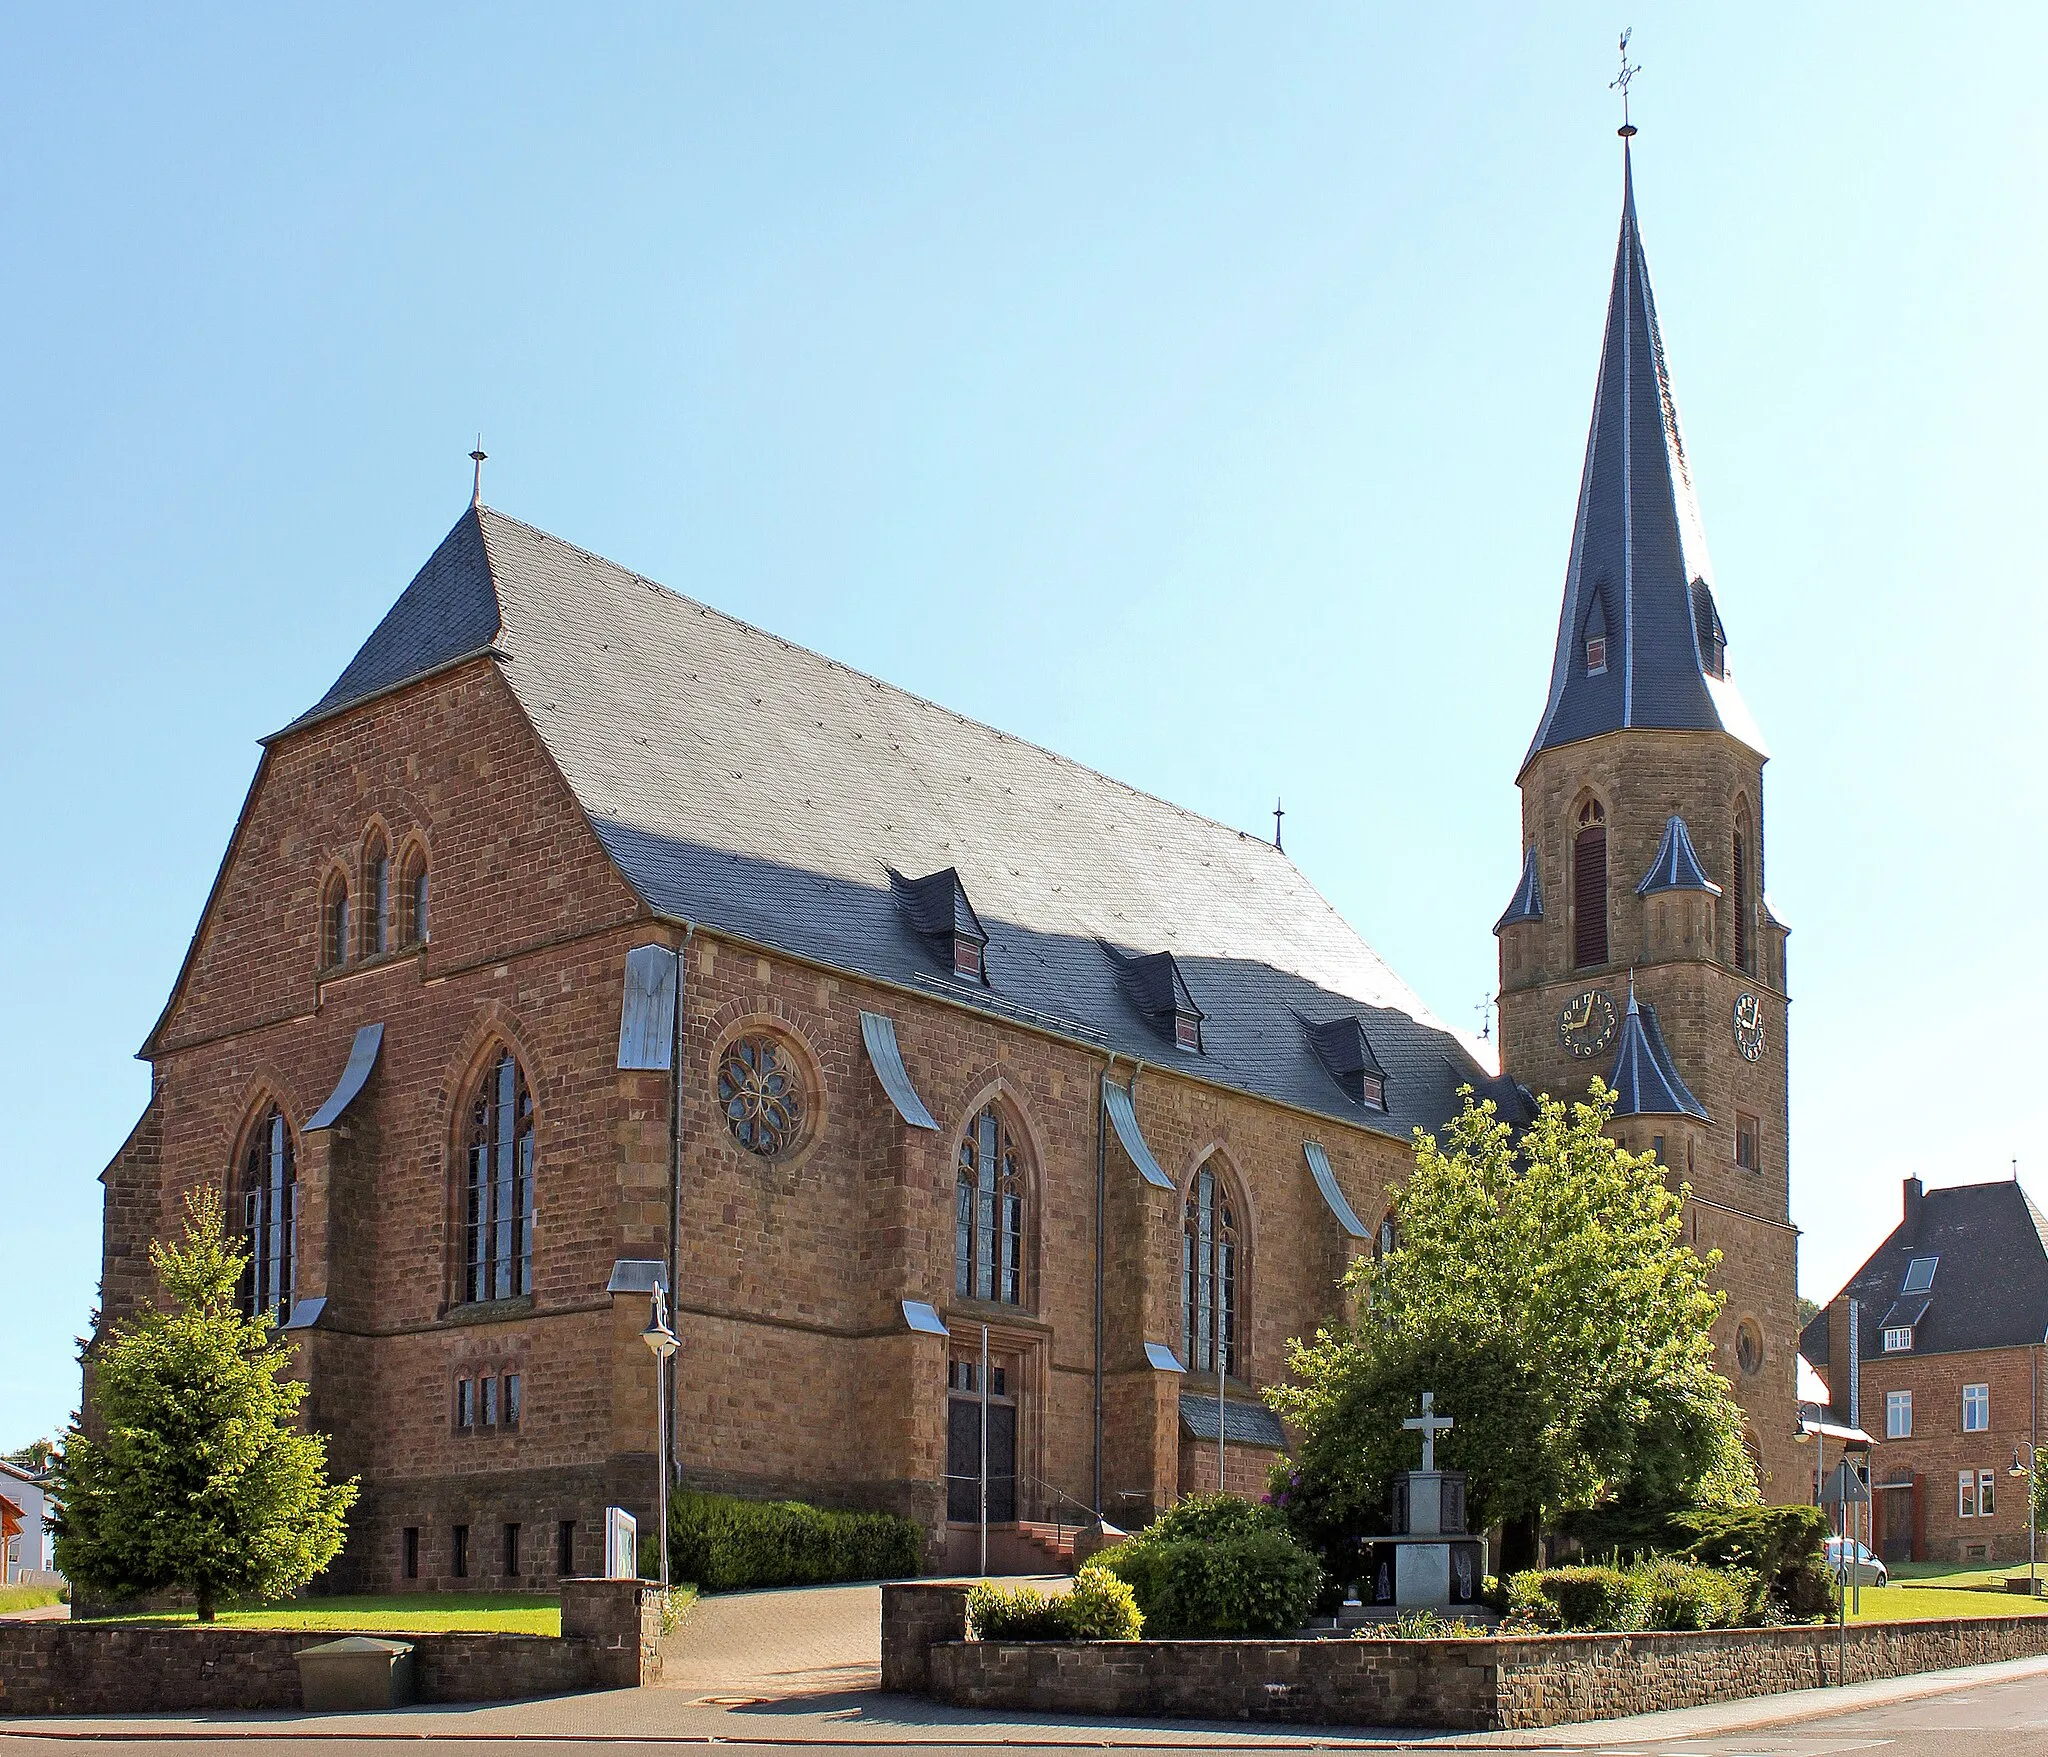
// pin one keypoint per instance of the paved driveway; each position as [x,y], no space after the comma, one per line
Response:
[798,1641]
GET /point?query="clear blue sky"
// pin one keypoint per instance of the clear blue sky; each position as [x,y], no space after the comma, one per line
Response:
[1198,390]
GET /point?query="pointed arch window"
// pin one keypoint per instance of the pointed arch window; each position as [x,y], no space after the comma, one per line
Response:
[988,1213]
[412,898]
[1209,1257]
[498,1197]
[377,936]
[1589,886]
[334,924]
[1745,940]
[269,1218]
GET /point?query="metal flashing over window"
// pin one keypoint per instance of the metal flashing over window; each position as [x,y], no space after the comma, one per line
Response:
[1162,1359]
[1117,1099]
[306,1313]
[362,1057]
[638,1275]
[1920,1275]
[647,1013]
[1244,1424]
[878,1032]
[923,1317]
[1326,1180]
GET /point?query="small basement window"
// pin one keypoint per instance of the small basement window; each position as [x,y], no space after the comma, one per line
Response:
[1898,1341]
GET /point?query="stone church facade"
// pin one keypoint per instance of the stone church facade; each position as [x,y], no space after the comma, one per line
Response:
[582,940]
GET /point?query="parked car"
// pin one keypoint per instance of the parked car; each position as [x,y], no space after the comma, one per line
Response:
[1868,1570]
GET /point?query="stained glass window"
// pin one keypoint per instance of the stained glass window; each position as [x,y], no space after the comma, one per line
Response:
[498,1253]
[269,1218]
[762,1096]
[988,1214]
[1208,1275]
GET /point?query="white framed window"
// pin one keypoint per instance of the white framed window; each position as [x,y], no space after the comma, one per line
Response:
[1985,1478]
[1898,1415]
[1976,1409]
[1966,1494]
[1898,1341]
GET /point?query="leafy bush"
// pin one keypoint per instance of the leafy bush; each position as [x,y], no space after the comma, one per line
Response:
[1098,1607]
[725,1544]
[1785,1547]
[1014,1613]
[1218,1565]
[1664,1592]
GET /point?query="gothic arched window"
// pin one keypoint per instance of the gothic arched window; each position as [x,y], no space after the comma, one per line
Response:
[334,923]
[498,1210]
[1208,1274]
[412,897]
[988,1213]
[269,1218]
[1589,886]
[377,937]
[1745,949]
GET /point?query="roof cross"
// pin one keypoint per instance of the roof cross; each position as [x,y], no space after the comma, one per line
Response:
[476,492]
[1620,83]
[1430,1424]
[1278,814]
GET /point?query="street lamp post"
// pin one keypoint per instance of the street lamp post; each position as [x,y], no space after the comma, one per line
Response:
[661,1343]
[2027,1470]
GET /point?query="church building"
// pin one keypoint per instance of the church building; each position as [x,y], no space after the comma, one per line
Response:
[582,941]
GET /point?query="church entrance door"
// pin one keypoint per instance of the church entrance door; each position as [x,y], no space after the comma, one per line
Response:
[963,1445]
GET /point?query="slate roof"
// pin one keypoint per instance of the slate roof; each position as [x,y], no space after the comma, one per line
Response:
[1244,1424]
[1990,1290]
[1639,571]
[746,784]
[1646,1081]
[1677,867]
[1527,902]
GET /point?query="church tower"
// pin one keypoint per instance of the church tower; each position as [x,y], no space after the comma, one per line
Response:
[1638,946]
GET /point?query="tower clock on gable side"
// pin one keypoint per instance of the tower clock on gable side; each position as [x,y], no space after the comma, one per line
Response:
[1638,947]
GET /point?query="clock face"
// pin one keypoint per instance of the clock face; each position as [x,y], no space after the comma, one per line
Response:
[1749,1027]
[1586,1025]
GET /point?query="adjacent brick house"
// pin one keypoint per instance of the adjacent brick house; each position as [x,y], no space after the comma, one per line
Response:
[582,940]
[1934,1347]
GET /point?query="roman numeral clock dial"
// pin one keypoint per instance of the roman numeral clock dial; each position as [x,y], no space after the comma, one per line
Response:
[1586,1024]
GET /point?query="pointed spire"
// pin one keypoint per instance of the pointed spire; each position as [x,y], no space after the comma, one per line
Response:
[1644,1080]
[1639,642]
[1527,902]
[1677,866]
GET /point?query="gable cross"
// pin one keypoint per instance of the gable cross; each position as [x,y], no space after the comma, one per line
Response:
[1429,1424]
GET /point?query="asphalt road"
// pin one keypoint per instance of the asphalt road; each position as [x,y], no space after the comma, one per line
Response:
[2008,1717]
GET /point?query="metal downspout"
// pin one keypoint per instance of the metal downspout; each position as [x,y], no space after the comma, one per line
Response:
[1101,1189]
[675,1188]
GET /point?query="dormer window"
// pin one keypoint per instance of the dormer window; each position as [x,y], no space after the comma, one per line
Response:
[1595,632]
[937,909]
[1154,985]
[1345,1051]
[1898,1340]
[1596,655]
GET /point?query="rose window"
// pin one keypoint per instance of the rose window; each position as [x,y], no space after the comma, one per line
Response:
[762,1096]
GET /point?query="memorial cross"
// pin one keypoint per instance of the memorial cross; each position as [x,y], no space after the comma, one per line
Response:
[1429,1424]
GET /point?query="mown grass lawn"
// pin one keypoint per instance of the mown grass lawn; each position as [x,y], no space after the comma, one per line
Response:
[410,1613]
[1917,1598]
[28,1598]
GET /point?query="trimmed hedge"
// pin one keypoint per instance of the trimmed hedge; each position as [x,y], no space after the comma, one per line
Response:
[1218,1565]
[725,1544]
[1785,1546]
[1098,1607]
[1664,1593]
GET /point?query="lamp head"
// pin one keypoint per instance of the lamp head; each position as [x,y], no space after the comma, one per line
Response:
[660,1339]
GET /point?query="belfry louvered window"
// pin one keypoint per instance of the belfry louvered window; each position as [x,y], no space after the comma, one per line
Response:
[988,1214]
[498,1231]
[269,1218]
[1208,1275]
[1589,886]
[1744,947]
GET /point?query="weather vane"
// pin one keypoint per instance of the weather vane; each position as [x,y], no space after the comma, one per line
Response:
[1620,83]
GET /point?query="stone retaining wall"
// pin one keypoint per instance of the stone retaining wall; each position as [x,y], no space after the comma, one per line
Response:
[611,1639]
[1482,1684]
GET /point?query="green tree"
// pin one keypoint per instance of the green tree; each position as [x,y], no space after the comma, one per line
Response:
[35,1458]
[1542,1289]
[201,1479]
